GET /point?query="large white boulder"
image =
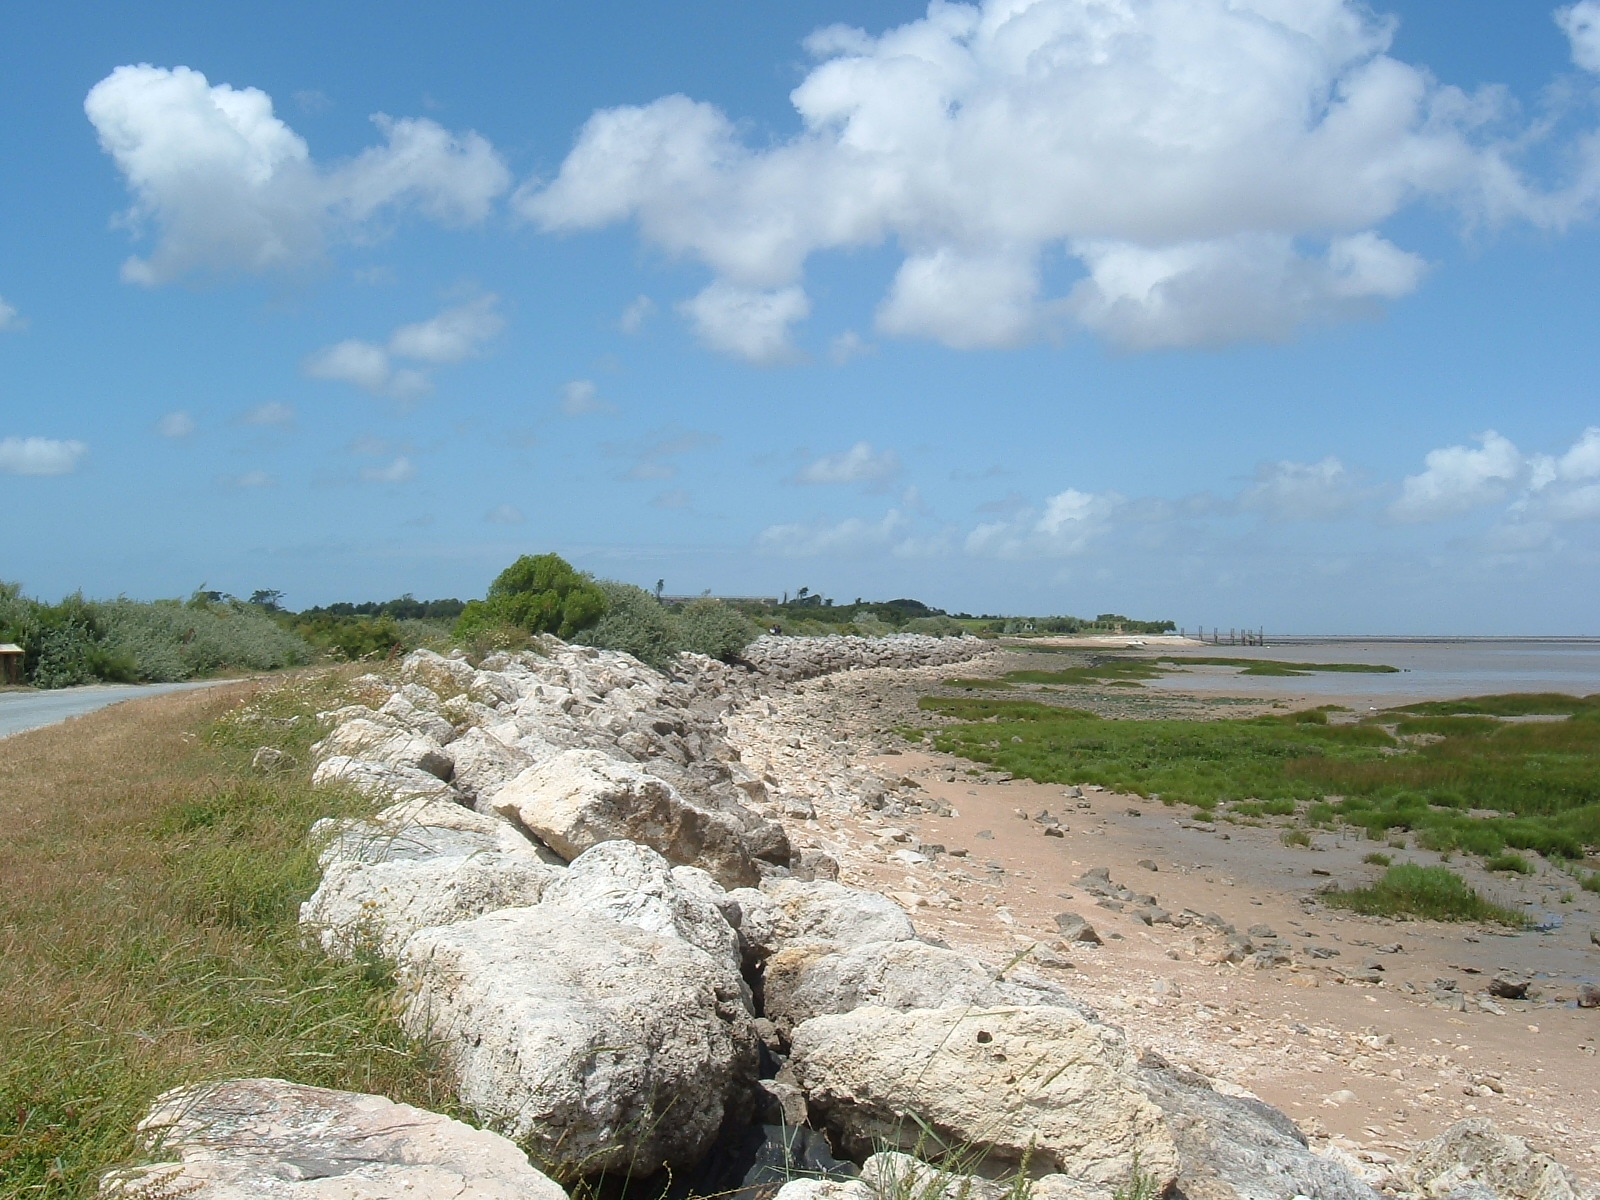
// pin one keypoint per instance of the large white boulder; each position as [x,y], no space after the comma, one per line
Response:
[1042,1083]
[372,908]
[599,1046]
[812,979]
[484,764]
[266,1139]
[385,741]
[415,865]
[633,885]
[581,798]
[820,910]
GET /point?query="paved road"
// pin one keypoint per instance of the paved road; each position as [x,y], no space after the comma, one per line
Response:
[21,711]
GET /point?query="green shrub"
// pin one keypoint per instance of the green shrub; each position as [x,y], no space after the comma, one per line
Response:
[711,628]
[1376,859]
[1295,837]
[635,623]
[169,640]
[1591,882]
[1432,893]
[539,593]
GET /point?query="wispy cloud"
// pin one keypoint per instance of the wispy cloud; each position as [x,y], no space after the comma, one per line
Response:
[653,454]
[580,397]
[505,514]
[10,318]
[399,471]
[176,425]
[40,456]
[639,310]
[273,414]
[859,464]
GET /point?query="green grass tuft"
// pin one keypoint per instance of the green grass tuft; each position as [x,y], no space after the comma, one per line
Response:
[1507,861]
[1375,859]
[1429,893]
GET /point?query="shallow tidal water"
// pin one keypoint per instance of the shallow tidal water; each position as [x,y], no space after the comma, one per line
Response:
[1429,669]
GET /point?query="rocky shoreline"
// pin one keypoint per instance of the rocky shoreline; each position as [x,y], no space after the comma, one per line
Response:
[613,899]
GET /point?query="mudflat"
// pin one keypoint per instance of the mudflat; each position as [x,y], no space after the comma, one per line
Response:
[1374,1033]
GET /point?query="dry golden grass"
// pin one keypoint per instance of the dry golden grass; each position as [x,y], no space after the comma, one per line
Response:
[148,893]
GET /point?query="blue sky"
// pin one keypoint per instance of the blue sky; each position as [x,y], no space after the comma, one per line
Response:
[1256,312]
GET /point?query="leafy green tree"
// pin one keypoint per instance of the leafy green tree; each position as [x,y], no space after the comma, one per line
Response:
[539,593]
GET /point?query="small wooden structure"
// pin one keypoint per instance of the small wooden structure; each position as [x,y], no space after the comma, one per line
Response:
[10,663]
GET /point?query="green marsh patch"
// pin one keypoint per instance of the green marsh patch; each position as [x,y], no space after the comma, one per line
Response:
[1429,893]
[1467,782]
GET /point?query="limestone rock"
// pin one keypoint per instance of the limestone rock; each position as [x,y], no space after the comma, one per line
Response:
[1473,1157]
[825,1189]
[265,1139]
[582,798]
[402,708]
[890,1173]
[484,764]
[385,741]
[633,885]
[379,781]
[1042,1082]
[1236,1148]
[793,658]
[597,1045]
[808,980]
[373,907]
[445,677]
[823,911]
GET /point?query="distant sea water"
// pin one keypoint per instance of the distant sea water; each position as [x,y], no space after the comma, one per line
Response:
[1429,669]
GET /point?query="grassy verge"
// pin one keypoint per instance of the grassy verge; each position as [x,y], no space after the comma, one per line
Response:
[147,929]
[1419,770]
[1431,893]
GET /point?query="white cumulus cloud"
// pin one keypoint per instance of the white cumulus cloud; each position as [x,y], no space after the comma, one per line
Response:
[1070,522]
[40,456]
[1219,169]
[1295,491]
[176,425]
[224,185]
[1456,479]
[748,323]
[452,335]
[859,464]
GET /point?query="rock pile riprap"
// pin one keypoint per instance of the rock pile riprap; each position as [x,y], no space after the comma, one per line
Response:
[609,910]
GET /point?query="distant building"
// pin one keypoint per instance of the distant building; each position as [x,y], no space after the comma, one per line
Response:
[10,663]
